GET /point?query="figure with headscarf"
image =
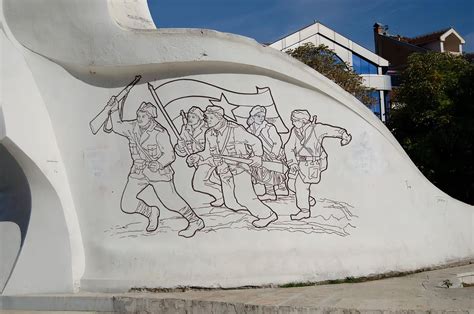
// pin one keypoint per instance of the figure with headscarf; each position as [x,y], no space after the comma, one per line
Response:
[192,140]
[274,182]
[152,155]
[307,158]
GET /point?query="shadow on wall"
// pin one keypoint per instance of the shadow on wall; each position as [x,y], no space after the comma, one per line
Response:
[15,211]
[34,240]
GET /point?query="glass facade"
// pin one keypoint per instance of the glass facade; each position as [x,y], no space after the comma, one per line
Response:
[375,106]
[387,105]
[363,66]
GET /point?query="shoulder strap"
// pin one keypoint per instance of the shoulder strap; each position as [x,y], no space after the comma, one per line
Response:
[224,144]
[267,142]
[306,140]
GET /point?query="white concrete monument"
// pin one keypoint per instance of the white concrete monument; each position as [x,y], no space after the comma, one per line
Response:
[132,156]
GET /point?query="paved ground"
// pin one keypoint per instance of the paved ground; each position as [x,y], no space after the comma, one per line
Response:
[422,292]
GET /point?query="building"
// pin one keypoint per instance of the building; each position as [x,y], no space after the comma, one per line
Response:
[397,48]
[366,63]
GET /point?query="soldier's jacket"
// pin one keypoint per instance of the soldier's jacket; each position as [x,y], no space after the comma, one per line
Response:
[233,140]
[269,136]
[153,144]
[307,143]
[193,137]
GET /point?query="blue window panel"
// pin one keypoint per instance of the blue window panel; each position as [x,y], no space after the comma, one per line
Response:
[375,106]
[387,105]
[363,66]
[372,68]
[356,63]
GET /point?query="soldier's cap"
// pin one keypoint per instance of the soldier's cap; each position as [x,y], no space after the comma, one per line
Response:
[197,111]
[257,109]
[149,108]
[300,115]
[214,110]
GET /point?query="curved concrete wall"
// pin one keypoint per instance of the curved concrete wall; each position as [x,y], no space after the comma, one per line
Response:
[222,222]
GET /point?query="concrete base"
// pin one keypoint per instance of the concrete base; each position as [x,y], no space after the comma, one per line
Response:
[420,292]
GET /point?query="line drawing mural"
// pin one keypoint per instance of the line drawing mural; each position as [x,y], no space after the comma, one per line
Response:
[233,144]
[152,155]
[231,151]
[273,179]
[191,141]
[306,156]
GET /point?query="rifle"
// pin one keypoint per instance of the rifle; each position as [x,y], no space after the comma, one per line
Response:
[103,116]
[269,165]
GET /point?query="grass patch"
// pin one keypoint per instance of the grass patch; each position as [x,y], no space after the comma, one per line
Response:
[297,284]
[326,282]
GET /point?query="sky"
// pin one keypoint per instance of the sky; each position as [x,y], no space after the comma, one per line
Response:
[268,20]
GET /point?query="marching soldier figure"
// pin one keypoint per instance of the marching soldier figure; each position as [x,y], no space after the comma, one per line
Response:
[306,156]
[152,155]
[227,144]
[273,181]
[192,141]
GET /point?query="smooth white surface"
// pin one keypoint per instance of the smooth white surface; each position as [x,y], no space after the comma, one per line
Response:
[131,14]
[28,132]
[75,62]
[45,263]
[379,82]
[10,241]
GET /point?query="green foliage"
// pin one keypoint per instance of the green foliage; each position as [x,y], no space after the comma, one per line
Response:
[433,119]
[326,62]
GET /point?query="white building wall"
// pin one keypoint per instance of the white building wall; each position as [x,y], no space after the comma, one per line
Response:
[319,34]
[374,210]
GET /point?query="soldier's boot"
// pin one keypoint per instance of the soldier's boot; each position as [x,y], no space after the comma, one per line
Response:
[150,212]
[153,220]
[302,214]
[282,190]
[269,195]
[195,223]
[263,222]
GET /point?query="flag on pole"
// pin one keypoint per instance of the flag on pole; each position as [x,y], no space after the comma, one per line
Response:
[181,94]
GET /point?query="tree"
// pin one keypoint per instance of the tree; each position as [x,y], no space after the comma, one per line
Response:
[434,120]
[326,62]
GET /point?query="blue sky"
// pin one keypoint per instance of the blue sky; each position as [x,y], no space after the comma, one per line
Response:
[268,20]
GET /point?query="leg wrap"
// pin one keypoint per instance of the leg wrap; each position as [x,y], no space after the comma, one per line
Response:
[143,209]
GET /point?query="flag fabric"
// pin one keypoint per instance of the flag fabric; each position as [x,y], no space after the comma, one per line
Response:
[182,94]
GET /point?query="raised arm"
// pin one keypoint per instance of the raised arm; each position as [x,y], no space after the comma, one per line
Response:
[118,126]
[327,130]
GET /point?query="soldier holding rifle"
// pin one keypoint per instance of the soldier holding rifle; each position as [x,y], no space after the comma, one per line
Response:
[152,155]
[273,181]
[226,140]
[191,140]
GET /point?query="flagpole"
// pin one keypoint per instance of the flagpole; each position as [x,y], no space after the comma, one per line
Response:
[165,114]
[163,111]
